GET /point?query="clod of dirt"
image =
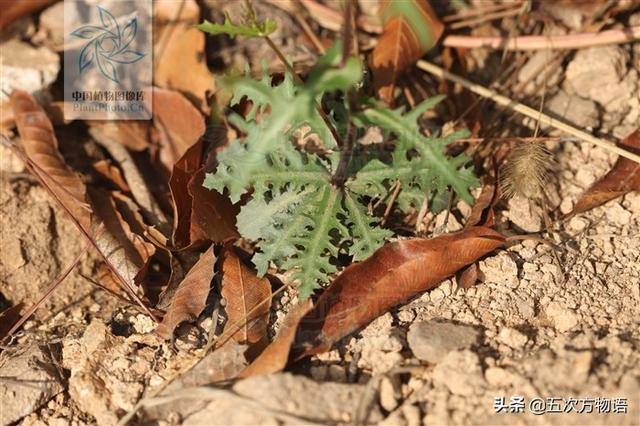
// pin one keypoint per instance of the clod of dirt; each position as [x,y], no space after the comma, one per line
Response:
[26,67]
[500,269]
[460,372]
[600,74]
[512,338]
[577,111]
[431,341]
[108,373]
[379,346]
[388,394]
[28,379]
[525,214]
[284,399]
[534,72]
[563,318]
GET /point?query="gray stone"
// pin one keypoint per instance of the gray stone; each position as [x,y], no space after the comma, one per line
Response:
[29,380]
[431,341]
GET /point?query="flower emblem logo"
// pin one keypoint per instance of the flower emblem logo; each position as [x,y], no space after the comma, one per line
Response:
[107,45]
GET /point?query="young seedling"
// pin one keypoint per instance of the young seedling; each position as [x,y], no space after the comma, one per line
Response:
[306,208]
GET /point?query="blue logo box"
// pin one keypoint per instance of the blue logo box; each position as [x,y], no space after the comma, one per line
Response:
[108,59]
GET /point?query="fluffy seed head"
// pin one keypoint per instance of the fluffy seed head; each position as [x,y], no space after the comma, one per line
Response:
[526,171]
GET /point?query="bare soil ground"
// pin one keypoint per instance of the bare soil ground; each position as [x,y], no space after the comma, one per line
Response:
[537,332]
[531,328]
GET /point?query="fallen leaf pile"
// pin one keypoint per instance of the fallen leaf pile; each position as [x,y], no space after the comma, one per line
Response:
[126,223]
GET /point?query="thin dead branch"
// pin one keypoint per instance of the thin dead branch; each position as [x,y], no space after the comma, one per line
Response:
[525,110]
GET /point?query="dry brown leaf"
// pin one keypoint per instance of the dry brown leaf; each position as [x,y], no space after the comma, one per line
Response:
[112,174]
[248,299]
[136,182]
[41,146]
[468,277]
[199,214]
[276,356]
[179,262]
[191,296]
[622,178]
[12,9]
[178,122]
[411,28]
[179,51]
[482,210]
[131,133]
[127,251]
[213,217]
[183,171]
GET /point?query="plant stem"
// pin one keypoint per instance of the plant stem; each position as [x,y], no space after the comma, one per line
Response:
[348,31]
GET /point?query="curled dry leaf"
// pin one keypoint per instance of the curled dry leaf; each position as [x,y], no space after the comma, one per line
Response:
[411,28]
[125,250]
[183,171]
[468,277]
[112,173]
[482,210]
[622,178]
[136,182]
[178,51]
[190,298]
[365,290]
[179,263]
[248,299]
[41,146]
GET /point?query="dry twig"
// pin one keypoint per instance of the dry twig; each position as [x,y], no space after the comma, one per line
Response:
[525,110]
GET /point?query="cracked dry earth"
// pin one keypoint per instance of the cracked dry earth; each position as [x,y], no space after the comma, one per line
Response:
[529,329]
